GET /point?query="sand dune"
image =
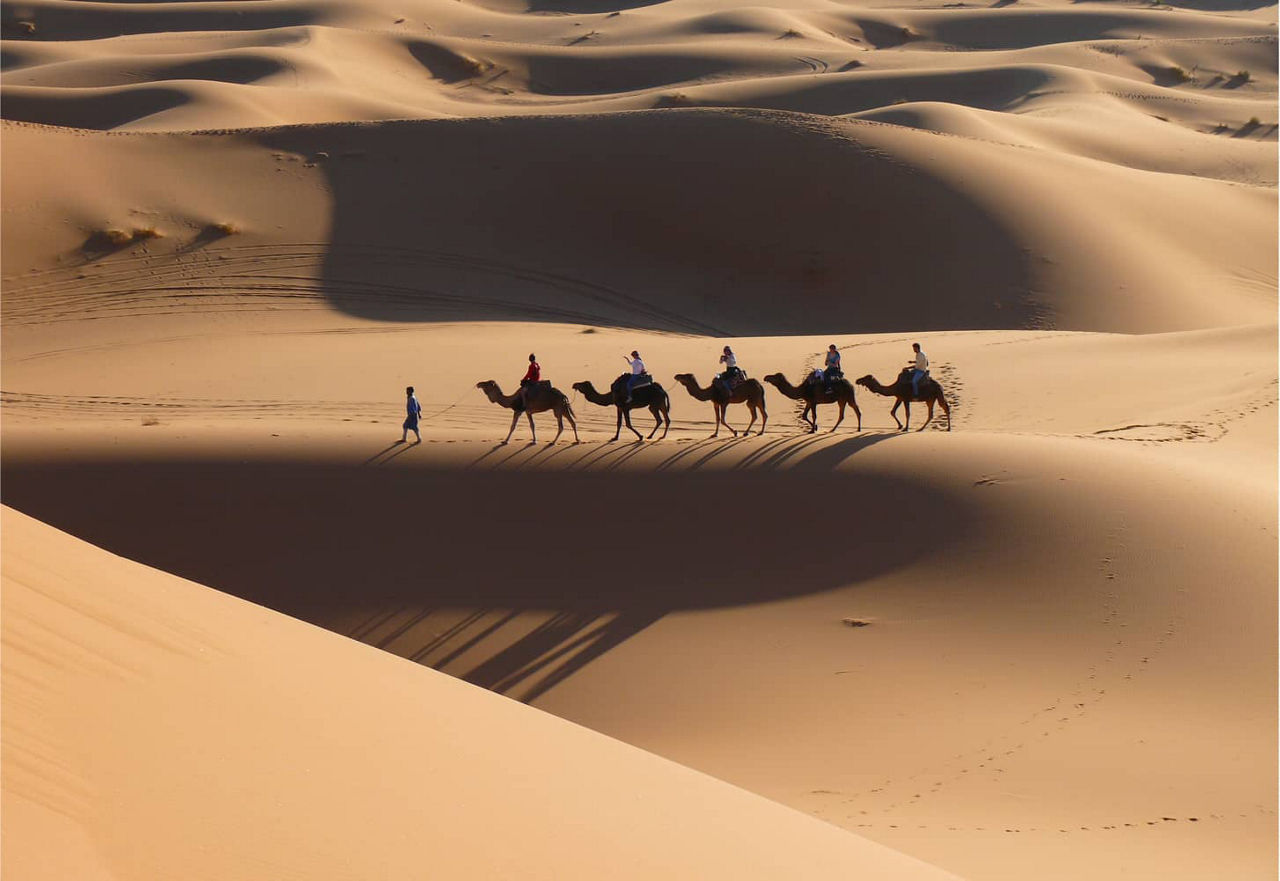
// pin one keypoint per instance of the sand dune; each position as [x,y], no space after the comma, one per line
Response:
[267,62]
[293,738]
[1041,645]
[460,231]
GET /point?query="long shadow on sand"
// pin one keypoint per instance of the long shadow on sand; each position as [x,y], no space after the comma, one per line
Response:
[512,579]
[461,230]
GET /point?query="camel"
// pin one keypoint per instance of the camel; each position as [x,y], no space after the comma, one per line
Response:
[749,392]
[539,398]
[930,393]
[652,396]
[813,394]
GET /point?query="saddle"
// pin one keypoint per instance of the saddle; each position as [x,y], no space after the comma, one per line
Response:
[731,379]
[642,380]
[926,381]
[543,384]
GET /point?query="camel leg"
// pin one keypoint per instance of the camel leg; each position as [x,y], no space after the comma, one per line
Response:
[894,413]
[840,417]
[945,409]
[906,410]
[573,423]
[626,414]
[618,428]
[857,412]
[715,408]
[532,430]
[752,408]
[666,418]
[929,404]
[515,417]
[656,413]
[724,414]
[764,416]
[813,418]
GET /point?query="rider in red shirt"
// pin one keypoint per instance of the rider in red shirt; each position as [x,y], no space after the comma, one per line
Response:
[531,378]
[534,373]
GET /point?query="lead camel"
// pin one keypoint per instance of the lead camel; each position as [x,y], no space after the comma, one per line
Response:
[538,399]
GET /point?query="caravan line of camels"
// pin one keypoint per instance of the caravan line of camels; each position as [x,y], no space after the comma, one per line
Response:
[543,397]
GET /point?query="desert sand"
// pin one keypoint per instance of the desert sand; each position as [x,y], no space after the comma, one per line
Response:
[248,634]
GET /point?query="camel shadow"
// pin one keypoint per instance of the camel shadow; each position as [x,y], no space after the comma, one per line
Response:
[441,565]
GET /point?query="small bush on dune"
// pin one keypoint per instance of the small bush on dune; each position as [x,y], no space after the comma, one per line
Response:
[114,237]
[473,66]
[223,229]
[1178,74]
[1243,76]
[790,34]
[1254,122]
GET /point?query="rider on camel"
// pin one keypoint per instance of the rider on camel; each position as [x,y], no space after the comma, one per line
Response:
[920,371]
[731,372]
[532,377]
[637,371]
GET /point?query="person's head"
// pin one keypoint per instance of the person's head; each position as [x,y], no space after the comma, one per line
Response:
[408,390]
[832,347]
[533,357]
[728,351]
[915,347]
[635,354]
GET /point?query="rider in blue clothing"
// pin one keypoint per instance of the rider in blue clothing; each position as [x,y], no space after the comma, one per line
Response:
[413,411]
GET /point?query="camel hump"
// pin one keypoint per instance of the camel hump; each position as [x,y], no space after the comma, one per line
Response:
[642,380]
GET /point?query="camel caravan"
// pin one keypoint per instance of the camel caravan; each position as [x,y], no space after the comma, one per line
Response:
[637,389]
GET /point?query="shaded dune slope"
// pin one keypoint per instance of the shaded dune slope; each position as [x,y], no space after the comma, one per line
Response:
[711,222]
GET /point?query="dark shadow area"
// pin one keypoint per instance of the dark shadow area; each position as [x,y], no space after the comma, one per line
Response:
[709,222]
[89,108]
[444,63]
[509,579]
[207,236]
[1167,77]
[883,35]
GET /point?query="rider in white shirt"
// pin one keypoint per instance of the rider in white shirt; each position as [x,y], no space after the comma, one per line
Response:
[921,365]
[730,362]
[637,370]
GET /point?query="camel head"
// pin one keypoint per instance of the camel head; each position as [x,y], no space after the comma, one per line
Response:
[490,388]
[583,386]
[686,379]
[775,378]
[865,380]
